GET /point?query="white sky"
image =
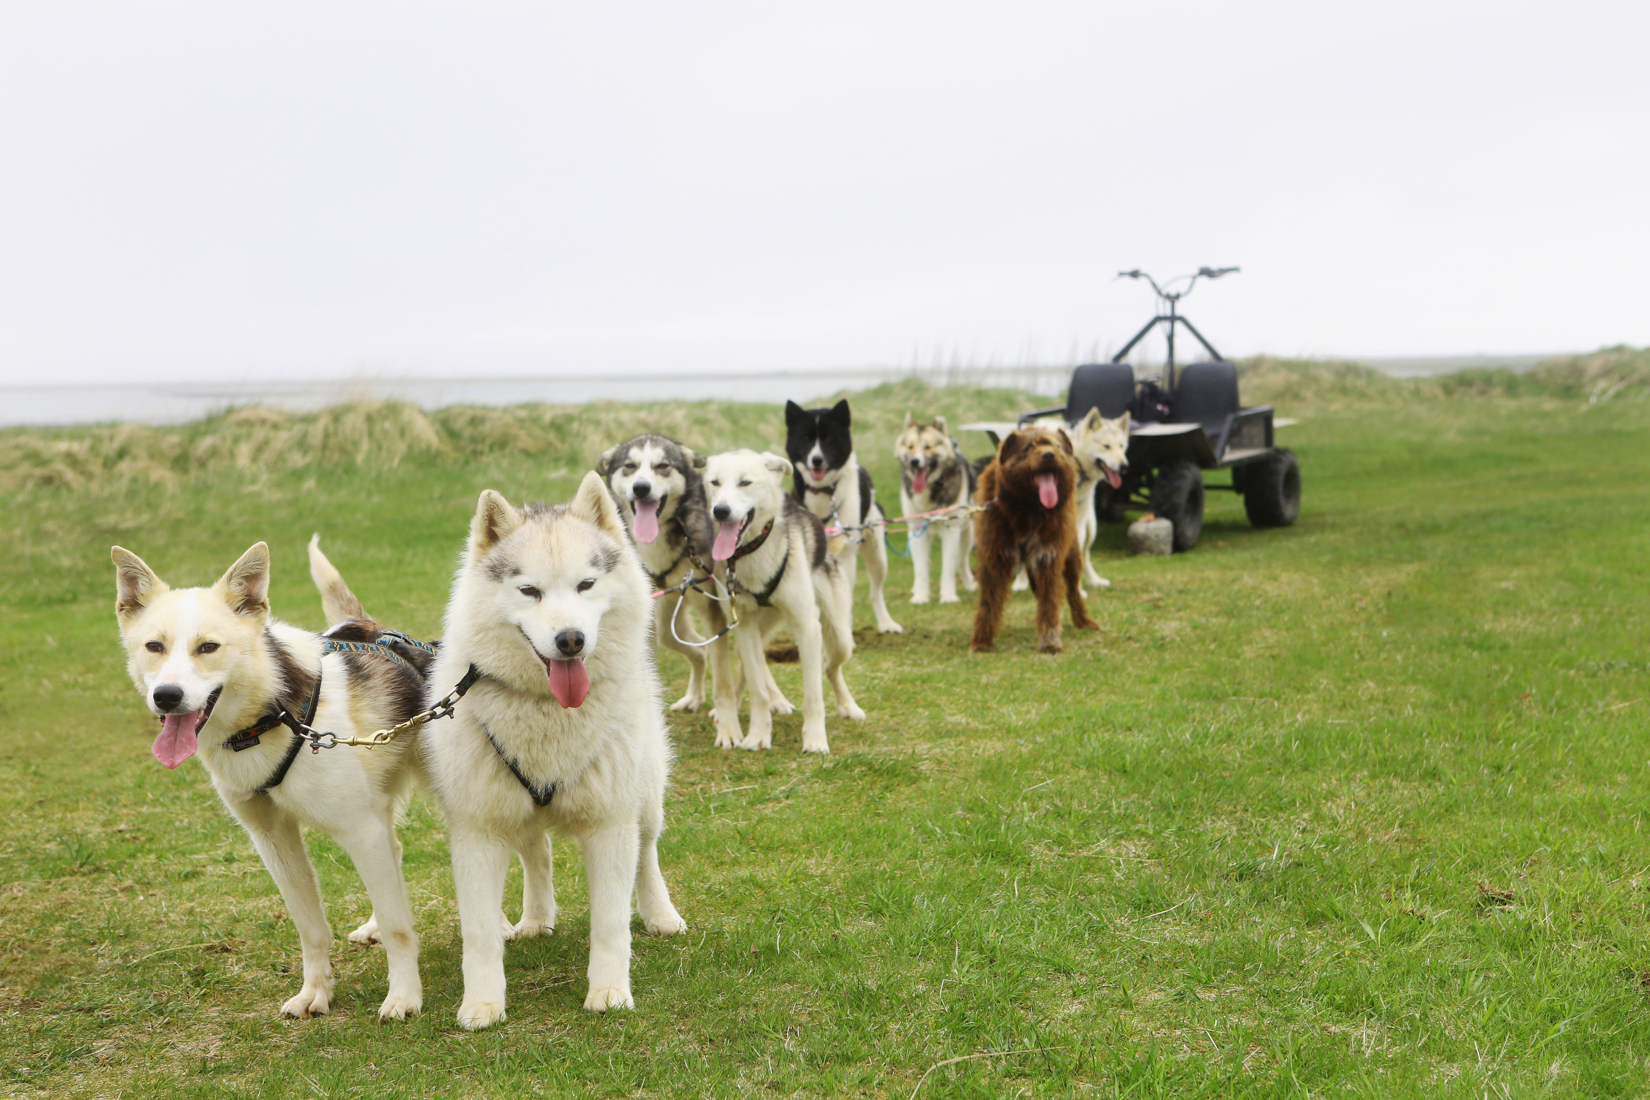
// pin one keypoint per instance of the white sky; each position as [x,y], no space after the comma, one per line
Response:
[235,190]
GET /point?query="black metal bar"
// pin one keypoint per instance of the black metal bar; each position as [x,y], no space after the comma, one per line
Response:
[1219,358]
[1173,317]
[1128,347]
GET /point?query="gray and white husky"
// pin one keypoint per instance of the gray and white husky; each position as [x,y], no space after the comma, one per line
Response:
[933,474]
[656,482]
[770,553]
[229,684]
[564,730]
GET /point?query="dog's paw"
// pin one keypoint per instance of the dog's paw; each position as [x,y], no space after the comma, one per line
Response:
[367,933]
[600,1000]
[952,598]
[667,923]
[855,712]
[982,647]
[1020,585]
[892,627]
[753,743]
[778,704]
[315,999]
[475,1015]
[1050,647]
[1098,581]
[920,597]
[688,702]
[398,1006]
[819,745]
[525,929]
[728,739]
[1088,624]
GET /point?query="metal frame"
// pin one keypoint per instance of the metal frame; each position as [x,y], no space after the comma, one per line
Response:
[1173,317]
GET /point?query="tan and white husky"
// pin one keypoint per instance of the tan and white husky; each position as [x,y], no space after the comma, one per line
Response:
[229,683]
[933,474]
[563,731]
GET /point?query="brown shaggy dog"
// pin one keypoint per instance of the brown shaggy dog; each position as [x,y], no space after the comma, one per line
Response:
[1033,522]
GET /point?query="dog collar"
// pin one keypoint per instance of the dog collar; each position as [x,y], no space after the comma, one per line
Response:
[753,545]
[248,737]
[831,488]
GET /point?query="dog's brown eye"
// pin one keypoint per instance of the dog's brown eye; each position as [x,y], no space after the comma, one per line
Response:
[744,483]
[587,585]
[529,591]
[629,467]
[156,647]
[207,647]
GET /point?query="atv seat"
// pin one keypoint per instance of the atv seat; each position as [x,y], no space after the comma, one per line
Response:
[1207,395]
[1108,387]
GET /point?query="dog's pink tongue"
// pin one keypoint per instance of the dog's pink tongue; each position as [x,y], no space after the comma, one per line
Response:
[727,541]
[176,742]
[819,473]
[1047,491]
[919,479]
[647,520]
[569,682]
[1114,477]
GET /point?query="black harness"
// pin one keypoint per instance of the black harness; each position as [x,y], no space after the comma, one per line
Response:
[541,796]
[659,579]
[281,716]
[749,548]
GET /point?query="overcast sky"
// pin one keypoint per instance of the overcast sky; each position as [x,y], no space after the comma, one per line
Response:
[212,190]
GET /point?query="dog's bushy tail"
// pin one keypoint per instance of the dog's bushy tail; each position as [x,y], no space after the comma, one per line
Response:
[337,600]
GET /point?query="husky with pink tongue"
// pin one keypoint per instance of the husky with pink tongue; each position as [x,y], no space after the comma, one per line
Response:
[770,551]
[563,732]
[655,482]
[229,683]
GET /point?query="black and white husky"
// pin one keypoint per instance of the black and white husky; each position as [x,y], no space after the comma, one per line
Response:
[656,482]
[829,481]
[771,554]
[933,474]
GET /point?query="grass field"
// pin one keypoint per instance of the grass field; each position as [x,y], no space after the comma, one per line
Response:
[1353,808]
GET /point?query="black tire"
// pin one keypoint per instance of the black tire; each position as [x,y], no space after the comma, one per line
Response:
[1272,490]
[1177,496]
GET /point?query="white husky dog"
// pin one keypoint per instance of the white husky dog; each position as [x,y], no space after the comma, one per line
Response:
[1102,450]
[770,552]
[934,474]
[230,686]
[564,730]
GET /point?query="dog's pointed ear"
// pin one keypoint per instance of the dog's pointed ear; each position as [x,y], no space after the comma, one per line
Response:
[908,418]
[840,411]
[1013,443]
[245,585]
[604,464]
[776,465]
[494,520]
[136,585]
[1122,420]
[694,458]
[939,426]
[794,413]
[594,504]
[1092,421]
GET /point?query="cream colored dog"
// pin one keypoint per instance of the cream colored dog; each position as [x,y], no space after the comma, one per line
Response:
[225,679]
[563,731]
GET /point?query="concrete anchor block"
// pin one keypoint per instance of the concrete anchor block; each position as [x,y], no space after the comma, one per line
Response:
[1151,536]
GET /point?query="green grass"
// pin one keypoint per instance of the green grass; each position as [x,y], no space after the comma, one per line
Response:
[1350,808]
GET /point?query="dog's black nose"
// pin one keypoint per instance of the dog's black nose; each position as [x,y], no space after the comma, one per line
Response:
[642,489]
[721,512]
[570,643]
[816,462]
[168,697]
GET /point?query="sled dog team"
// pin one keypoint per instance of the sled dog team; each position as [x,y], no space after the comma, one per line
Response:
[548,637]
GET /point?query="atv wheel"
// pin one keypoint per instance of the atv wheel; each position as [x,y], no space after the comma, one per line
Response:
[1177,496]
[1272,490]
